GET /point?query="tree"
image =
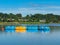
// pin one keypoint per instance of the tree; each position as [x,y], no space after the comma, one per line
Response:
[19,15]
[27,17]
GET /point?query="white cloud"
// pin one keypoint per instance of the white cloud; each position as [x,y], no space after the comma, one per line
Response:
[33,10]
[42,10]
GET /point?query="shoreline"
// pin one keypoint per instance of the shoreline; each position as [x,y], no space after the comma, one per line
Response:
[28,23]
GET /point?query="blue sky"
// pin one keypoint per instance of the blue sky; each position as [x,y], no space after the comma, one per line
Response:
[30,6]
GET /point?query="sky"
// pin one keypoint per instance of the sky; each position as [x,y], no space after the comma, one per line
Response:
[30,6]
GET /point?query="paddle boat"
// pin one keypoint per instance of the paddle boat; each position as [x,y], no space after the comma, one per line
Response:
[44,29]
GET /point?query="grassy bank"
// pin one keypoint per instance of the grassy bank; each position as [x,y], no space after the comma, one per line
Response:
[17,23]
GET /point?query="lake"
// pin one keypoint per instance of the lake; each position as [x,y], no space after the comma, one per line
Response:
[34,37]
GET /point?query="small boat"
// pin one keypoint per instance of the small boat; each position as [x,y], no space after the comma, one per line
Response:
[10,28]
[44,29]
[20,29]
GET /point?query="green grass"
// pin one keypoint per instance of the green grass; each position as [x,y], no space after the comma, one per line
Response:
[17,23]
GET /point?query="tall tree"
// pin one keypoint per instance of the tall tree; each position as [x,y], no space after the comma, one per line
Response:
[19,15]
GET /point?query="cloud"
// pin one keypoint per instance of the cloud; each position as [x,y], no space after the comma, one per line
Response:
[26,11]
[43,10]
[34,5]
[9,10]
[32,10]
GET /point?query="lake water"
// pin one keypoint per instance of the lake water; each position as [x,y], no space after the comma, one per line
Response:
[51,37]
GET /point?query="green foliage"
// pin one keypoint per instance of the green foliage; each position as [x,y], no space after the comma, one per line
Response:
[50,18]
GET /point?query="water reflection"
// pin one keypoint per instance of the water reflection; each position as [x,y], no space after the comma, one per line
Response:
[31,30]
[48,35]
[9,30]
[20,30]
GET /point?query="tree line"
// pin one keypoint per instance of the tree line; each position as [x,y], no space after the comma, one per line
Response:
[50,18]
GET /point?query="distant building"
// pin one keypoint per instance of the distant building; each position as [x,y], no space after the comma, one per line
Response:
[2,20]
[10,20]
[42,20]
[23,20]
[13,19]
